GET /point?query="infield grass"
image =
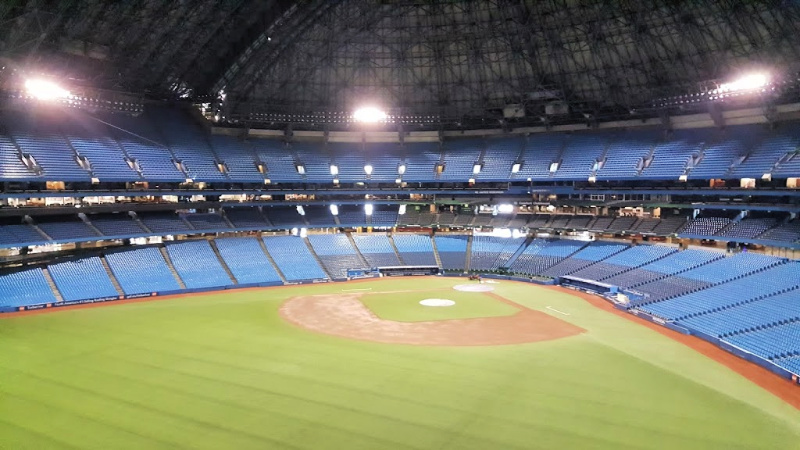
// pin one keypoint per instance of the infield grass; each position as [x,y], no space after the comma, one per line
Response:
[405,307]
[223,371]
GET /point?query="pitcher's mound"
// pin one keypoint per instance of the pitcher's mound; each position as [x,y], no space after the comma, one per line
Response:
[473,288]
[437,302]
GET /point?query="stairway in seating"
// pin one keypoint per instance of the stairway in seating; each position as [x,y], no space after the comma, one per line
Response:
[519,251]
[316,257]
[52,284]
[111,276]
[357,250]
[469,253]
[168,260]
[436,252]
[396,252]
[269,257]
[139,222]
[222,262]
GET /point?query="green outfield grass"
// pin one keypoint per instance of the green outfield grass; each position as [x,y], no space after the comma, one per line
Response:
[223,371]
[405,307]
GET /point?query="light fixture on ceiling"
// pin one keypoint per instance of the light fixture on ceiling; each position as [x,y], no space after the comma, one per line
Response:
[369,114]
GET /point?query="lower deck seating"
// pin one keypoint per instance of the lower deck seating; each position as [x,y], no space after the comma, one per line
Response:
[25,287]
[377,250]
[197,265]
[336,253]
[293,258]
[452,251]
[141,271]
[82,279]
[246,260]
[415,249]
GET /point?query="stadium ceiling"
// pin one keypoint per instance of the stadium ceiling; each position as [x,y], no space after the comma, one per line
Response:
[455,60]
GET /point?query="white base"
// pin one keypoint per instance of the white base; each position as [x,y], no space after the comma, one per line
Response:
[437,302]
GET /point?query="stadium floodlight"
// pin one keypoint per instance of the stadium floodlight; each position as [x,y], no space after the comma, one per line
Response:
[301,210]
[301,169]
[401,169]
[515,167]
[334,169]
[45,90]
[369,114]
[368,209]
[505,208]
[746,83]
[368,169]
[476,168]
[334,210]
[402,210]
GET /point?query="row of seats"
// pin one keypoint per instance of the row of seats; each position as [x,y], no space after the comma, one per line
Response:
[165,144]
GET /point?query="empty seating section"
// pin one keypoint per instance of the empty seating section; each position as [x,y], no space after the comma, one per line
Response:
[622,223]
[142,271]
[207,221]
[141,142]
[319,215]
[787,232]
[672,156]
[246,218]
[148,147]
[116,225]
[626,153]
[747,228]
[705,226]
[541,254]
[421,159]
[350,159]
[188,143]
[82,279]
[780,341]
[601,223]
[706,275]
[460,157]
[415,249]
[669,225]
[452,251]
[239,159]
[490,252]
[540,151]
[284,216]
[164,223]
[65,228]
[377,250]
[769,311]
[11,165]
[581,153]
[278,160]
[586,256]
[197,265]
[336,253]
[352,215]
[500,154]
[661,268]
[19,234]
[25,287]
[246,260]
[773,280]
[624,261]
[293,258]
[384,215]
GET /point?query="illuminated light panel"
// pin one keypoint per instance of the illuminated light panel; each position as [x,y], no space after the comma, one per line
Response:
[45,90]
[368,209]
[516,167]
[334,210]
[334,169]
[401,169]
[368,169]
[369,114]
[746,83]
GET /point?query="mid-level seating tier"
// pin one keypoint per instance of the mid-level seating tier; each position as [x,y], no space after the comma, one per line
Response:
[336,253]
[415,249]
[377,250]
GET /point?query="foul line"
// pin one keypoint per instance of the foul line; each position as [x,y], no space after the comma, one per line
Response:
[356,290]
[560,312]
